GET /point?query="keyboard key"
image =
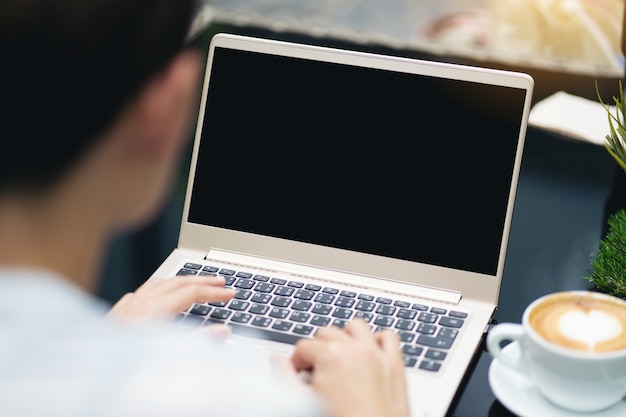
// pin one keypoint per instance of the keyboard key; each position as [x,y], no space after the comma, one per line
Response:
[210,269]
[366,297]
[299,316]
[435,354]
[451,322]
[323,309]
[344,302]
[261,298]
[301,305]
[363,315]
[447,333]
[218,304]
[238,305]
[329,290]
[282,325]
[320,321]
[295,284]
[406,337]
[200,310]
[409,361]
[348,294]
[412,350]
[304,294]
[427,317]
[438,310]
[242,294]
[386,310]
[264,287]
[245,284]
[405,313]
[312,287]
[279,313]
[278,281]
[402,304]
[259,309]
[457,314]
[436,342]
[261,321]
[240,317]
[424,328]
[340,323]
[220,313]
[365,306]
[342,313]
[184,272]
[385,321]
[226,272]
[303,329]
[383,300]
[262,278]
[246,275]
[404,324]
[284,291]
[431,366]
[324,298]
[281,301]
[191,265]
[419,307]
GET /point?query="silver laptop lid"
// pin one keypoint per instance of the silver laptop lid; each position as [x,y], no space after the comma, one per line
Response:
[396,168]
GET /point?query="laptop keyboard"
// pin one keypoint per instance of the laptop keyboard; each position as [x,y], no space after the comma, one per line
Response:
[288,310]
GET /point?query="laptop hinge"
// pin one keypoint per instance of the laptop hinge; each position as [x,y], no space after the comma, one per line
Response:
[353,279]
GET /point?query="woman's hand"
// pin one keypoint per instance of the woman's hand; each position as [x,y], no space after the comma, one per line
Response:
[164,298]
[358,373]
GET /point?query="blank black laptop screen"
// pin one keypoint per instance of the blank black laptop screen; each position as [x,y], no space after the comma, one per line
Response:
[405,166]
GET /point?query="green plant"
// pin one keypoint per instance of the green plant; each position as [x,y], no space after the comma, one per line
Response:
[608,264]
[616,139]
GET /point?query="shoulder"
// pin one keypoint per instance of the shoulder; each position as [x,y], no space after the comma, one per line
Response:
[58,357]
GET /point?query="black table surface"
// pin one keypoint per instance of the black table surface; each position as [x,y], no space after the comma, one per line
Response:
[564,195]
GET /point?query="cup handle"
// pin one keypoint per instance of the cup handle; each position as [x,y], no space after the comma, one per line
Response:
[507,332]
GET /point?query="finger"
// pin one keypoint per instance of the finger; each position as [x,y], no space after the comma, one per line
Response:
[388,340]
[389,343]
[331,333]
[284,365]
[121,304]
[359,329]
[181,298]
[160,286]
[307,353]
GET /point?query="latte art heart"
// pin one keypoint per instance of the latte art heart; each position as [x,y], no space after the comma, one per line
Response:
[586,322]
[589,327]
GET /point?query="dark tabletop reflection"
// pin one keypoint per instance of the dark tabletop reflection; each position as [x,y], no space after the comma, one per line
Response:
[557,224]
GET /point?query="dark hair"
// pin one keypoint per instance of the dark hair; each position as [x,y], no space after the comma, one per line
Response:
[68,67]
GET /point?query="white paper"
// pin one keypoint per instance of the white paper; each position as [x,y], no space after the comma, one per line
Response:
[572,116]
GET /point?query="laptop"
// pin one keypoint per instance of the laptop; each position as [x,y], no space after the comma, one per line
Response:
[329,184]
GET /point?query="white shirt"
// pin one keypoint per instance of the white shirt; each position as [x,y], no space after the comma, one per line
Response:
[59,358]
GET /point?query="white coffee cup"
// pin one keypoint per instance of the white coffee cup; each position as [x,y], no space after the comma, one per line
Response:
[573,348]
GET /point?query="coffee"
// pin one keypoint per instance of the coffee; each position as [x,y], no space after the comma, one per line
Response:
[586,322]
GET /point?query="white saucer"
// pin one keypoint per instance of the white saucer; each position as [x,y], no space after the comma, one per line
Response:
[520,396]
